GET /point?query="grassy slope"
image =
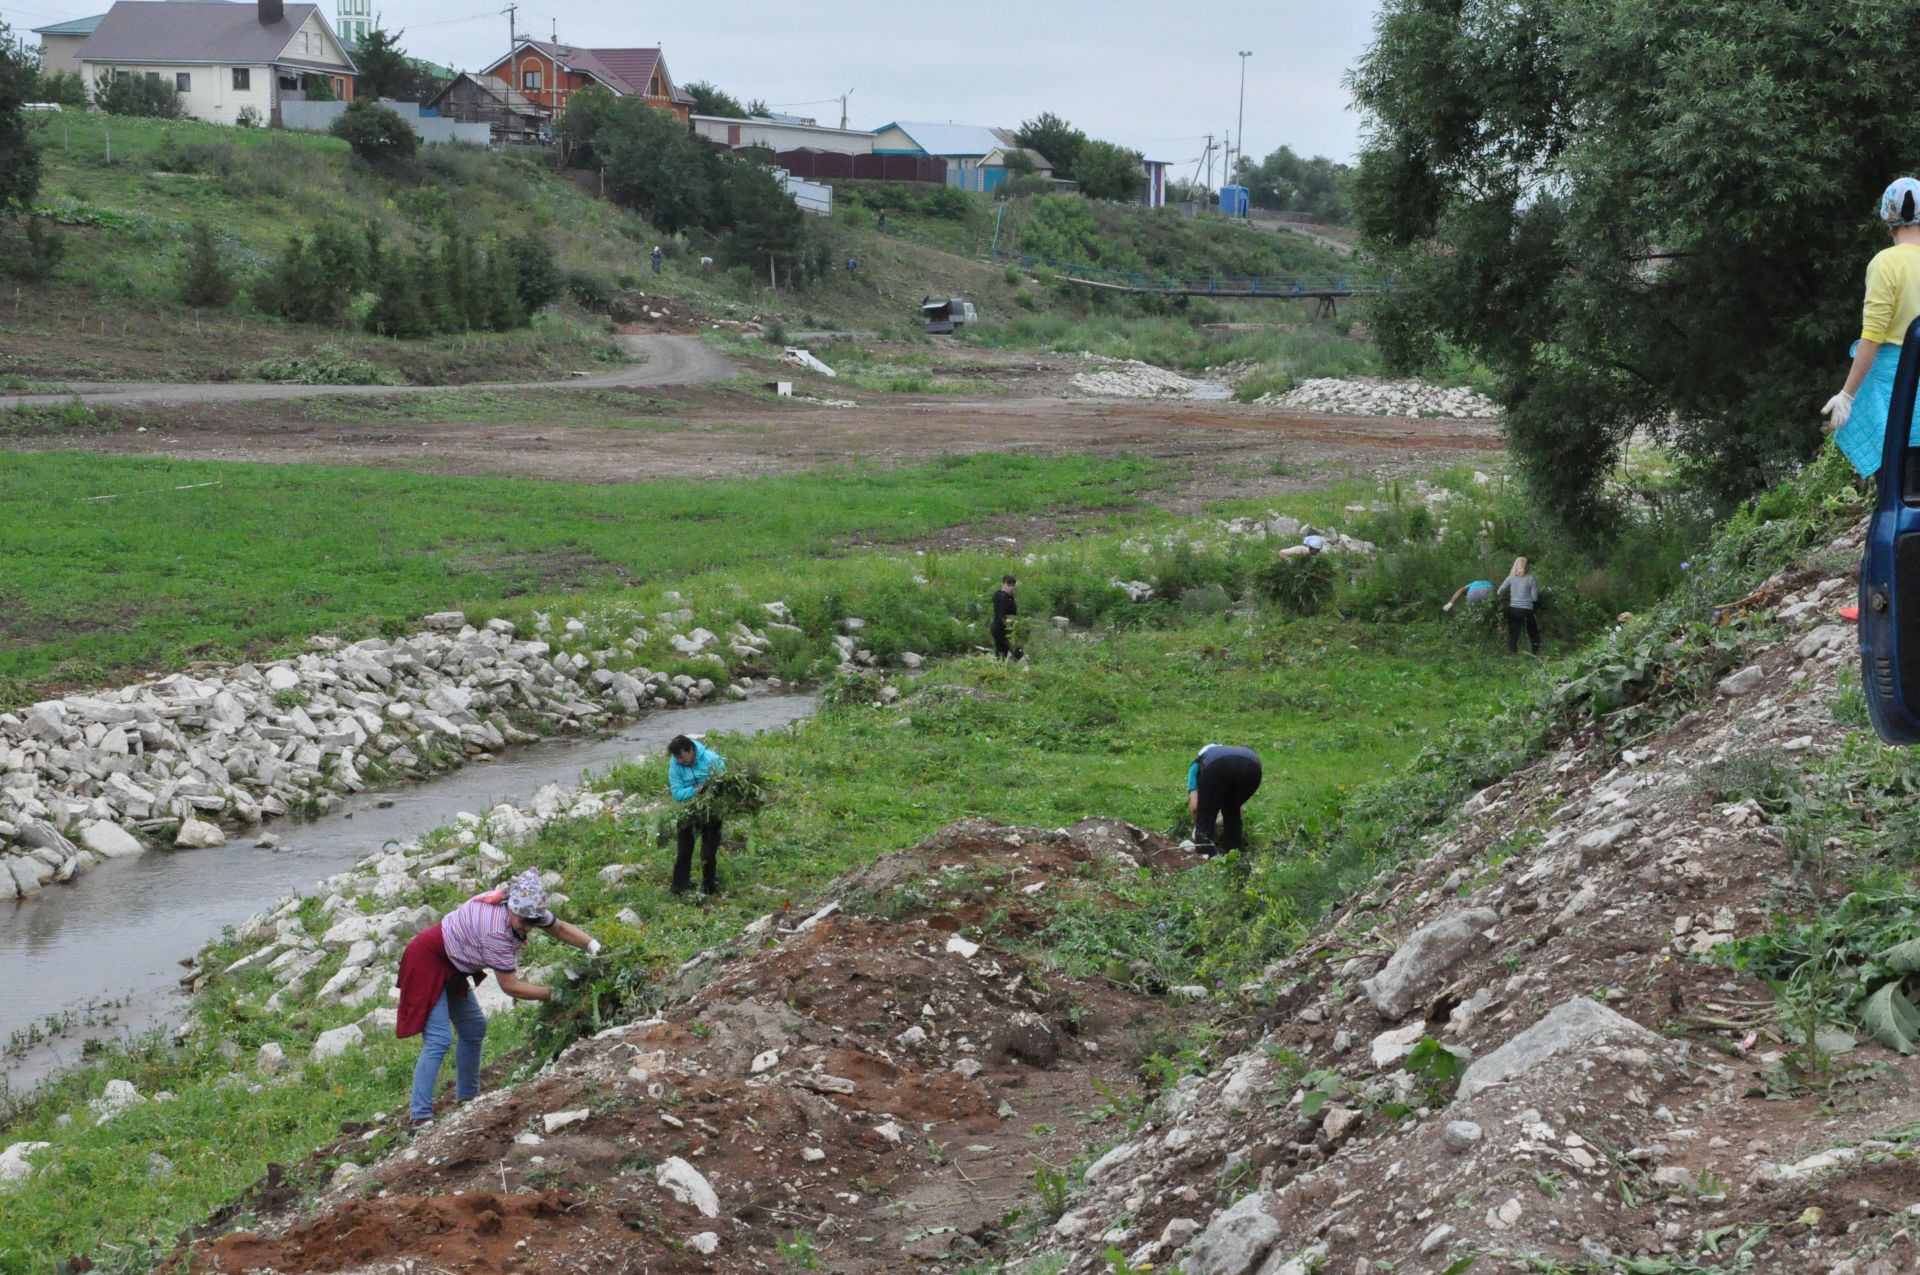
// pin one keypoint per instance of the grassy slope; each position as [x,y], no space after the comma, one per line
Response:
[159,575]
[1094,727]
[1098,724]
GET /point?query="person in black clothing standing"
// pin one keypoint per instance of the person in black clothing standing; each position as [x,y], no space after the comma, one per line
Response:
[1004,608]
[1219,782]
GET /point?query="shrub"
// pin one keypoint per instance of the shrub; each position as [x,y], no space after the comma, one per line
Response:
[138,95]
[1300,586]
[375,133]
[204,278]
[43,251]
[588,290]
[536,279]
[65,88]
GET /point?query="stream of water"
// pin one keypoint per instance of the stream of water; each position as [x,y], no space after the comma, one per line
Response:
[108,947]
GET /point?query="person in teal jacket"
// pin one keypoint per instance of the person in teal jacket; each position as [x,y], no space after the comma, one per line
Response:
[689,767]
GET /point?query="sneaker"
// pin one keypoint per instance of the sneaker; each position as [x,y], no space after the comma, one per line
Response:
[421,1122]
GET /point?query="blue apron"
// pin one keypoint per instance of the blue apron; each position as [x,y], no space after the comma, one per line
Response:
[1863,438]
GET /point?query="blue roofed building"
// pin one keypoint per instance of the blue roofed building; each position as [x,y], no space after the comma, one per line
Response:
[976,156]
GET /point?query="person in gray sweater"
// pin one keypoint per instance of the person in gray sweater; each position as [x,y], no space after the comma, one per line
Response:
[1523,594]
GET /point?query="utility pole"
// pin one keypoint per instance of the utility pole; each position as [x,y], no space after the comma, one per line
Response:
[843,107]
[1240,128]
[513,35]
[1208,156]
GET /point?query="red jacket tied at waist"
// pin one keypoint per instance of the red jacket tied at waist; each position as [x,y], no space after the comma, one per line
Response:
[425,972]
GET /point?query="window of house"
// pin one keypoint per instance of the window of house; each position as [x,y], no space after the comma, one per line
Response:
[242,79]
[183,81]
[530,79]
[653,87]
[153,77]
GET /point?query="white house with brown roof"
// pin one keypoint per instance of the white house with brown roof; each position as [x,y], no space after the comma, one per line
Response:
[223,58]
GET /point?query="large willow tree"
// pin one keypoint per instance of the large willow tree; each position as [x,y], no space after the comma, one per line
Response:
[1639,213]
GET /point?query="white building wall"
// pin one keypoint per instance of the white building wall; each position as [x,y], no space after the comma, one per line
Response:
[783,137]
[210,96]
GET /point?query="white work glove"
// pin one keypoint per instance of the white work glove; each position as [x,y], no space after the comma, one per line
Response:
[593,947]
[555,996]
[1837,410]
[1447,607]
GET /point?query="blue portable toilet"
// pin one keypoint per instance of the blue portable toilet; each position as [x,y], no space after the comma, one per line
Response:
[1234,201]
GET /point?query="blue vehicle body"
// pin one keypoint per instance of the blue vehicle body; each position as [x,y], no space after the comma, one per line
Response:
[1889,624]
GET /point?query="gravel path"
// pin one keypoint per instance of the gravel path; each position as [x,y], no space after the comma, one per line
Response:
[664,360]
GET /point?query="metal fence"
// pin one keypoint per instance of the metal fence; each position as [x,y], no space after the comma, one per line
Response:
[889,168]
[318,117]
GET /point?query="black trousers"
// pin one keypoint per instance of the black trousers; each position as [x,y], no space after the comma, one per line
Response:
[1516,618]
[709,833]
[1003,648]
[1222,788]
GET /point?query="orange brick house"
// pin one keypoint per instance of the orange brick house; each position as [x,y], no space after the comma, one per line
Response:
[546,74]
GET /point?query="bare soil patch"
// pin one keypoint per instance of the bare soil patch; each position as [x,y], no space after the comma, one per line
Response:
[868,1080]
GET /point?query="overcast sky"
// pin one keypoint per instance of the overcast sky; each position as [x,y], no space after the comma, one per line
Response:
[1155,76]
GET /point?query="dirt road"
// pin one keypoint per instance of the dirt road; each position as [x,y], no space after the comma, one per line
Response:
[664,360]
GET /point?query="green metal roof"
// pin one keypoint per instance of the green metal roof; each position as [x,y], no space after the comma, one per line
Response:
[79,26]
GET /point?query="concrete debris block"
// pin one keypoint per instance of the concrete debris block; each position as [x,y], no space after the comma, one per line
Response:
[198,834]
[1102,1168]
[1744,682]
[1420,966]
[766,1061]
[332,1044]
[1389,1047]
[812,1155]
[962,948]
[555,1121]
[14,1164]
[1235,1241]
[891,1131]
[272,1058]
[346,1173]
[109,840]
[116,1098]
[688,1185]
[1336,1121]
[1825,638]
[1502,1217]
[1591,845]
[706,1243]
[1460,1136]
[446,621]
[1433,1239]
[1576,1024]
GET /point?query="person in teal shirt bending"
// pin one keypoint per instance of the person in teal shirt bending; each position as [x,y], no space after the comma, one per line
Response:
[1219,782]
[689,768]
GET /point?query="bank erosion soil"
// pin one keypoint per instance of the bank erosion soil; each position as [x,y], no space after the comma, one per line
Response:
[863,1084]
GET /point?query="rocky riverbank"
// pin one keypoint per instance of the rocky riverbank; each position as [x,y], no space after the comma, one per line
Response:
[1364,396]
[179,760]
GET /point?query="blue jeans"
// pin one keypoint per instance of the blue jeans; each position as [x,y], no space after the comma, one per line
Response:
[449,1013]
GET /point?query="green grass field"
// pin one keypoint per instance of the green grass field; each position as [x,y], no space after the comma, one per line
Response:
[121,564]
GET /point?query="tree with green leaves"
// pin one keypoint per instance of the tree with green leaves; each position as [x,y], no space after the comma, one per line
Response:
[139,95]
[376,133]
[1107,171]
[64,88]
[19,156]
[205,278]
[1647,216]
[1291,183]
[385,70]
[654,165]
[711,99]
[1053,137]
[318,88]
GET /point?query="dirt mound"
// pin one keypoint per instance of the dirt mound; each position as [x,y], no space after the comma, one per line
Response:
[1620,1107]
[860,1084]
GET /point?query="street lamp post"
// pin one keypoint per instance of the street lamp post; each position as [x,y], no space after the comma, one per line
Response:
[1240,129]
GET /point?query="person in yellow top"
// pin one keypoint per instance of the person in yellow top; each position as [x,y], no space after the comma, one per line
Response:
[1857,415]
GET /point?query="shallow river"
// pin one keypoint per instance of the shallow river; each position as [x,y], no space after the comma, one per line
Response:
[118,933]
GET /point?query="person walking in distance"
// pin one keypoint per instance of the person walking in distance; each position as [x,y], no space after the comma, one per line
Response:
[690,767]
[655,257]
[442,961]
[1005,607]
[1523,594]
[1219,783]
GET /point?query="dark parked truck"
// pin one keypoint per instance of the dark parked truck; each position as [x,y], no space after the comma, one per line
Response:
[947,314]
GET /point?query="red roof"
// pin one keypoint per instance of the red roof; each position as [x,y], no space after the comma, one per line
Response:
[627,72]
